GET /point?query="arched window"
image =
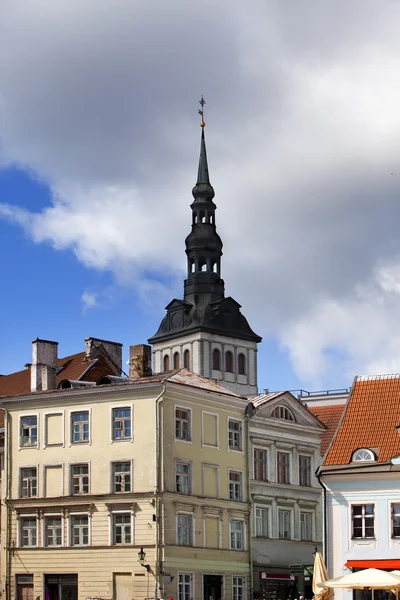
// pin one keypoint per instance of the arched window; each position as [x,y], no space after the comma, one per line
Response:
[216,359]
[229,362]
[176,360]
[202,264]
[282,412]
[214,268]
[166,362]
[192,266]
[241,364]
[363,454]
[186,359]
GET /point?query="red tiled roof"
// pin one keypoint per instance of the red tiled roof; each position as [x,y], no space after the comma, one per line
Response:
[329,416]
[370,420]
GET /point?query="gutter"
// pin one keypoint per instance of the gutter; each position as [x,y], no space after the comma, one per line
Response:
[7,524]
[324,521]
[158,490]
[248,415]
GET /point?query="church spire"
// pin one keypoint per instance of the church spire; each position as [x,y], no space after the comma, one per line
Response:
[203,176]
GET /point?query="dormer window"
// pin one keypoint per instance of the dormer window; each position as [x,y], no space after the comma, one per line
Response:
[363,454]
[282,412]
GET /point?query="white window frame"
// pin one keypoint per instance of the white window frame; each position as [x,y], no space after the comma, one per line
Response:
[182,513]
[45,429]
[112,475]
[30,446]
[181,407]
[188,464]
[70,478]
[243,586]
[242,521]
[288,509]
[116,407]
[267,458]
[312,517]
[203,443]
[71,515]
[290,467]
[44,467]
[71,429]
[191,581]
[268,510]
[241,449]
[52,516]
[20,469]
[391,515]
[19,530]
[362,503]
[117,513]
[242,497]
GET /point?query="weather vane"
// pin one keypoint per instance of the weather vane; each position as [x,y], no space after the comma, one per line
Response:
[201,112]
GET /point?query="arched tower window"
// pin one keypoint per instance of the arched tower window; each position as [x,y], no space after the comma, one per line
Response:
[229,362]
[176,360]
[216,359]
[241,364]
[166,362]
[282,412]
[192,266]
[202,264]
[186,359]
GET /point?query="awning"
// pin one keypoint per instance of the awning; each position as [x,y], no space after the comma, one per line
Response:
[374,564]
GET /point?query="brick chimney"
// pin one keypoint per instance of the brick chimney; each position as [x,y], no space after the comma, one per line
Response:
[44,365]
[111,351]
[140,361]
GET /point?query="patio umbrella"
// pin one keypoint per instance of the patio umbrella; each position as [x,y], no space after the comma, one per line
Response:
[367,578]
[320,574]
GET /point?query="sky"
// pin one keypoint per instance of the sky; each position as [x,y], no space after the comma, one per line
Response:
[99,145]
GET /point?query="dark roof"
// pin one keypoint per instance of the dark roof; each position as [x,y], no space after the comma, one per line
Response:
[330,417]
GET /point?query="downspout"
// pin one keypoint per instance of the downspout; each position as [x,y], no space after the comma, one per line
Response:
[324,520]
[248,416]
[157,499]
[7,494]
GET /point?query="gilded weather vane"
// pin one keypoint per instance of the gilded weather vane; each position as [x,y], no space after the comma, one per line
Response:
[201,112]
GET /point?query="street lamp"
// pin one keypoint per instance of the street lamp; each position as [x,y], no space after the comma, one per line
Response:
[142,556]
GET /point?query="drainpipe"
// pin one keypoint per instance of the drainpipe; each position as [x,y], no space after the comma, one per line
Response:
[7,494]
[158,489]
[249,413]
[324,521]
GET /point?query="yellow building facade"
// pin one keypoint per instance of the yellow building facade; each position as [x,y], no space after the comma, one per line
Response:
[132,490]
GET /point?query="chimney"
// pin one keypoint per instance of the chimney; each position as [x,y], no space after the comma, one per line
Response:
[140,361]
[111,351]
[44,365]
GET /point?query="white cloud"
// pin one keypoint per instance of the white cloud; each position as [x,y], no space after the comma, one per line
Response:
[89,300]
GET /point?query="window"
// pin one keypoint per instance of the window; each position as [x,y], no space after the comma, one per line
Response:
[235,485]
[283,466]
[362,518]
[80,479]
[261,522]
[79,530]
[176,360]
[260,464]
[28,482]
[166,362]
[184,526]
[235,435]
[241,364]
[363,454]
[305,470]
[28,531]
[185,586]
[122,477]
[216,359]
[182,424]
[122,423]
[238,588]
[80,427]
[284,524]
[236,535]
[282,412]
[229,362]
[395,519]
[122,529]
[306,532]
[182,477]
[52,531]
[28,431]
[186,359]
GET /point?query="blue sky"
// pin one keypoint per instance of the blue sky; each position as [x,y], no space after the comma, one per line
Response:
[99,142]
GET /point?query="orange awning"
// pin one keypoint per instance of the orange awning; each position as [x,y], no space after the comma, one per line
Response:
[375,564]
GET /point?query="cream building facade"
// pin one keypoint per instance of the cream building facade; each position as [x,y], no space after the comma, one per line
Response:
[126,490]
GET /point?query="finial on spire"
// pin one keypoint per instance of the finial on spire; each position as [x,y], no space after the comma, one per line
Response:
[202,102]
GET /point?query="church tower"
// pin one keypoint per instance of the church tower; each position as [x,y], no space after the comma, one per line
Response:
[206,332]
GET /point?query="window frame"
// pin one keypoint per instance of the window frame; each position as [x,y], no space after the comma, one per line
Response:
[267,509]
[113,464]
[25,468]
[70,528]
[363,517]
[22,446]
[242,363]
[71,428]
[121,406]
[22,518]
[119,513]
[216,364]
[286,411]
[308,470]
[186,359]
[372,457]
[191,587]
[393,515]
[191,516]
[189,410]
[47,516]
[266,451]
[235,483]
[287,453]
[188,464]
[229,364]
[241,437]
[72,465]
[311,514]
[289,510]
[236,586]
[242,533]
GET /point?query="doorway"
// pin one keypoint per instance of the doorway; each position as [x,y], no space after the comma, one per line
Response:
[212,587]
[61,587]
[24,587]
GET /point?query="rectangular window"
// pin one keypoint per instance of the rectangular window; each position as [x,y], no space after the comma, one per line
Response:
[235,435]
[185,586]
[284,524]
[305,470]
[28,482]
[79,530]
[236,535]
[182,477]
[80,479]
[80,427]
[395,519]
[260,464]
[52,531]
[182,424]
[235,485]
[306,530]
[122,477]
[362,518]
[283,467]
[261,522]
[184,526]
[122,529]
[122,423]
[28,532]
[28,431]
[237,588]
